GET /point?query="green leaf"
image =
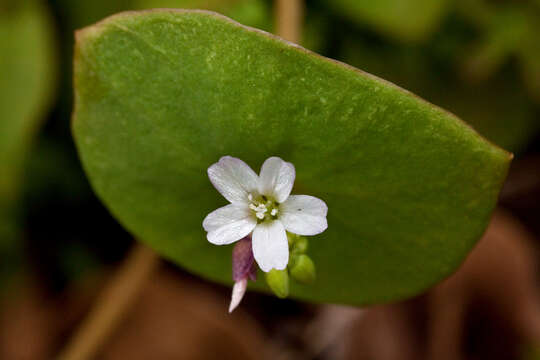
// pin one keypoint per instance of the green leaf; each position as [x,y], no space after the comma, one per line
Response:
[405,20]
[161,95]
[26,84]
[498,107]
[254,13]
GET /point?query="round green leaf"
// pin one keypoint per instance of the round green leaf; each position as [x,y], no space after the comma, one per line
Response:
[161,95]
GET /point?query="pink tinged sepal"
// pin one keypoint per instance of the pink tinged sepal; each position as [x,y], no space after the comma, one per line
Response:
[238,291]
[243,262]
[243,268]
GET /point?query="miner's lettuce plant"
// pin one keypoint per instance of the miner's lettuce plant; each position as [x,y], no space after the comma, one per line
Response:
[162,95]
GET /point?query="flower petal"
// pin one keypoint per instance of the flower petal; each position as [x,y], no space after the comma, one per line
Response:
[232,232]
[270,246]
[304,215]
[233,178]
[276,178]
[229,224]
[225,215]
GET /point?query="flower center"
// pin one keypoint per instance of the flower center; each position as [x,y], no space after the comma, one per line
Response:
[263,207]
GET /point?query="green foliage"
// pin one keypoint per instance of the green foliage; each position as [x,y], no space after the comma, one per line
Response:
[297,244]
[161,95]
[509,31]
[26,84]
[405,20]
[254,13]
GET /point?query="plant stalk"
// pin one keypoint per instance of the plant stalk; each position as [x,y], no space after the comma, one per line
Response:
[112,304]
[289,15]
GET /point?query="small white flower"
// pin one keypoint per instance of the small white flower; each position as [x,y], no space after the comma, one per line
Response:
[262,206]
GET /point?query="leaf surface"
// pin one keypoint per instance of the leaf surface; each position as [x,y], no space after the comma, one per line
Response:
[161,95]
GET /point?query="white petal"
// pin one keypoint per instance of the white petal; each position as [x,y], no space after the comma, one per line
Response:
[233,178]
[276,178]
[270,246]
[229,224]
[225,215]
[238,291]
[304,215]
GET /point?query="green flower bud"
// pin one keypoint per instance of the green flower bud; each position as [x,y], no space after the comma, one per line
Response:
[300,245]
[291,238]
[278,281]
[297,244]
[302,269]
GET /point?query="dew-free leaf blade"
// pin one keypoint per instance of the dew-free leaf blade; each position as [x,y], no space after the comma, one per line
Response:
[161,95]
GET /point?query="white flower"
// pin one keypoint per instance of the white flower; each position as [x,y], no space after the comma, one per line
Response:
[261,205]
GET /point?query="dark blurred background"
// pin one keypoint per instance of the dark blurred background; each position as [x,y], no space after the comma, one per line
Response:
[480,59]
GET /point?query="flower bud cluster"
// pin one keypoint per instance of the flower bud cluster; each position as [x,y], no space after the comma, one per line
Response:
[300,267]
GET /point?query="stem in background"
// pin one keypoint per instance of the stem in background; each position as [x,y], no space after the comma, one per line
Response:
[112,304]
[289,15]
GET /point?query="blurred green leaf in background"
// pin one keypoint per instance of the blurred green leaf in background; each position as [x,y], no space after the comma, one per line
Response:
[408,21]
[27,85]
